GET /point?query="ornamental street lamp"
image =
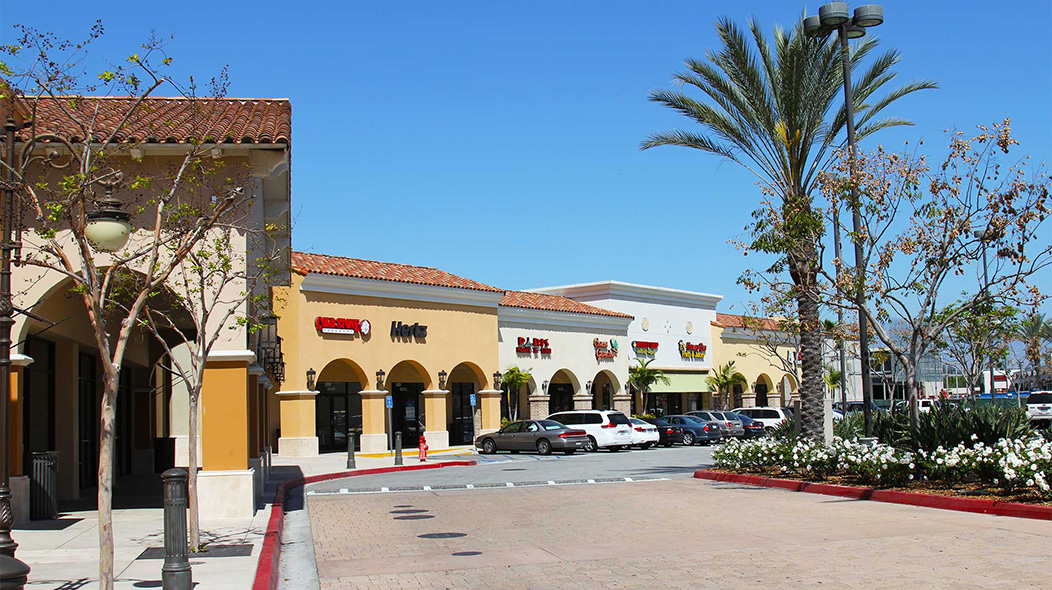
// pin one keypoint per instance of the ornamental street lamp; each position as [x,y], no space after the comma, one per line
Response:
[108,228]
[836,16]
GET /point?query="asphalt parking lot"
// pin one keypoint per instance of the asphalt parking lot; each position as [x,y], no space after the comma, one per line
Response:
[673,532]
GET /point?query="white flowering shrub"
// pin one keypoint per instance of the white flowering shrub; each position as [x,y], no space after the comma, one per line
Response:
[1012,464]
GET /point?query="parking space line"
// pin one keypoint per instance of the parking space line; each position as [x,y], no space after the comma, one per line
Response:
[505,485]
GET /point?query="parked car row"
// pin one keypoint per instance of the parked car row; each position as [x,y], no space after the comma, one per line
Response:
[591,430]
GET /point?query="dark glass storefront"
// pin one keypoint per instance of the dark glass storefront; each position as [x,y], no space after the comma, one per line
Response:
[560,397]
[338,406]
[664,404]
[407,415]
[461,429]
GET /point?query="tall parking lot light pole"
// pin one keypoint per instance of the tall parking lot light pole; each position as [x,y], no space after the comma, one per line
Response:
[982,235]
[836,16]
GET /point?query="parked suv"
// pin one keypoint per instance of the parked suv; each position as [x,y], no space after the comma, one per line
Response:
[1039,406]
[771,418]
[606,429]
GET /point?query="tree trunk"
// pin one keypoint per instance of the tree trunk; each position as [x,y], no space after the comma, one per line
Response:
[812,385]
[911,390]
[105,476]
[191,482]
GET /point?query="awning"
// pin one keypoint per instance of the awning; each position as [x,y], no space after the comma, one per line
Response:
[682,383]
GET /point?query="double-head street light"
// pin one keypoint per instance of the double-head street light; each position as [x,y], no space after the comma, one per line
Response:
[836,16]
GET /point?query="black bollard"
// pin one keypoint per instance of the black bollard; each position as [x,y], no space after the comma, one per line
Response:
[13,573]
[398,448]
[350,449]
[175,573]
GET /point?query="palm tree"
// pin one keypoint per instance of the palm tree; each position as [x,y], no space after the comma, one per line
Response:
[832,378]
[1035,331]
[514,378]
[771,109]
[642,378]
[723,381]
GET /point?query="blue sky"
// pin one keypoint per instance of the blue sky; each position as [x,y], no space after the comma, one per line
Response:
[499,140]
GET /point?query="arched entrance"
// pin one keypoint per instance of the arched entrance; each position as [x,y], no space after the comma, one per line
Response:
[465,380]
[604,386]
[762,388]
[408,380]
[338,405]
[736,393]
[561,388]
[788,388]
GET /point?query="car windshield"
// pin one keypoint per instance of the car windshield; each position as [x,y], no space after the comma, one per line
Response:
[619,418]
[1040,398]
[550,425]
[694,419]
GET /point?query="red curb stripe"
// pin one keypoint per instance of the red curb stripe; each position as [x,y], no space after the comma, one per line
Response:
[977,505]
[270,555]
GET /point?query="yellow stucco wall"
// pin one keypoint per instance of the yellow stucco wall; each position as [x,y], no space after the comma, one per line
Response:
[14,422]
[755,363]
[297,415]
[225,416]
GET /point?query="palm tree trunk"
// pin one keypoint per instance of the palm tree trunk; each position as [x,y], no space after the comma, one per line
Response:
[811,383]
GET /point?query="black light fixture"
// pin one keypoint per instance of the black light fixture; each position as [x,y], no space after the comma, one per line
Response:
[497,379]
[380,379]
[442,379]
[108,227]
[544,387]
[310,379]
[588,387]
[277,368]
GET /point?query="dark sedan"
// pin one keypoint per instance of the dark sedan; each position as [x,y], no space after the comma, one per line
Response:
[543,436]
[695,429]
[753,429]
[667,433]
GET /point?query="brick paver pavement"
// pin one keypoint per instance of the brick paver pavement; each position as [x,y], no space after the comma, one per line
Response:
[669,534]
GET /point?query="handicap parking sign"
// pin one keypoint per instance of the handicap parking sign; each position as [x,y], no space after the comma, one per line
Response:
[390,401]
[473,400]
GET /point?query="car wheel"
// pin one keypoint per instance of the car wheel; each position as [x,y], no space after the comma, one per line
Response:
[590,446]
[688,439]
[646,446]
[489,447]
[544,447]
[614,449]
[570,452]
[769,429]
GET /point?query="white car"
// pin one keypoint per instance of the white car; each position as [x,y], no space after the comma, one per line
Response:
[770,417]
[644,434]
[925,404]
[606,429]
[1039,406]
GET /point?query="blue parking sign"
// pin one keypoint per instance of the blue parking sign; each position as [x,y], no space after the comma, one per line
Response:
[473,400]
[390,401]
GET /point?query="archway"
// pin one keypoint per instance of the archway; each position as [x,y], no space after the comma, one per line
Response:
[737,390]
[788,387]
[763,387]
[407,382]
[561,389]
[338,405]
[464,381]
[604,386]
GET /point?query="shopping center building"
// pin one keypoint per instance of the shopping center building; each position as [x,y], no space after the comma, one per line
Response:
[670,328]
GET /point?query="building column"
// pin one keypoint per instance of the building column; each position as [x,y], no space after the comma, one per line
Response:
[748,399]
[538,406]
[435,426]
[374,421]
[623,402]
[582,400]
[254,373]
[18,479]
[299,432]
[489,402]
[226,483]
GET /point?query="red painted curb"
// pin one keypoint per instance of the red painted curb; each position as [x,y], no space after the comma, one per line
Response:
[270,555]
[994,507]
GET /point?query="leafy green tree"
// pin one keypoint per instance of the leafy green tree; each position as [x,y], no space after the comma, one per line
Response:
[771,108]
[723,380]
[514,379]
[1035,332]
[978,338]
[642,378]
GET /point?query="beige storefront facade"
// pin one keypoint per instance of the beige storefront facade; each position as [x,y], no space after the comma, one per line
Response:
[360,336]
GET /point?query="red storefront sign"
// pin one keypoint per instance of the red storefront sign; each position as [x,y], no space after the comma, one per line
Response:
[645,348]
[533,346]
[328,325]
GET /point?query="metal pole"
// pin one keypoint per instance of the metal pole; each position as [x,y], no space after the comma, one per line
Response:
[390,431]
[856,226]
[175,573]
[398,448]
[840,317]
[350,448]
[7,244]
[986,291]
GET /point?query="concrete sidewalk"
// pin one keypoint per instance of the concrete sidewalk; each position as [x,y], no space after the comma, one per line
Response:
[64,553]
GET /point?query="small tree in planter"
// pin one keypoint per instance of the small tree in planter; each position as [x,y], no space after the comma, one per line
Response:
[514,379]
[723,381]
[642,378]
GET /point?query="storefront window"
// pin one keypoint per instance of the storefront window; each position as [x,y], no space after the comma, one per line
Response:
[338,406]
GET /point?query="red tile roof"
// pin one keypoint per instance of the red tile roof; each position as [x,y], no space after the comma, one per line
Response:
[525,300]
[305,262]
[727,320]
[166,119]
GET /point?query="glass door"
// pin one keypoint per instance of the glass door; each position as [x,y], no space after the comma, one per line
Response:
[407,415]
[338,407]
[461,431]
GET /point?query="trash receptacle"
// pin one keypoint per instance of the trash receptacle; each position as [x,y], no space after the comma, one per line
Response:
[43,486]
